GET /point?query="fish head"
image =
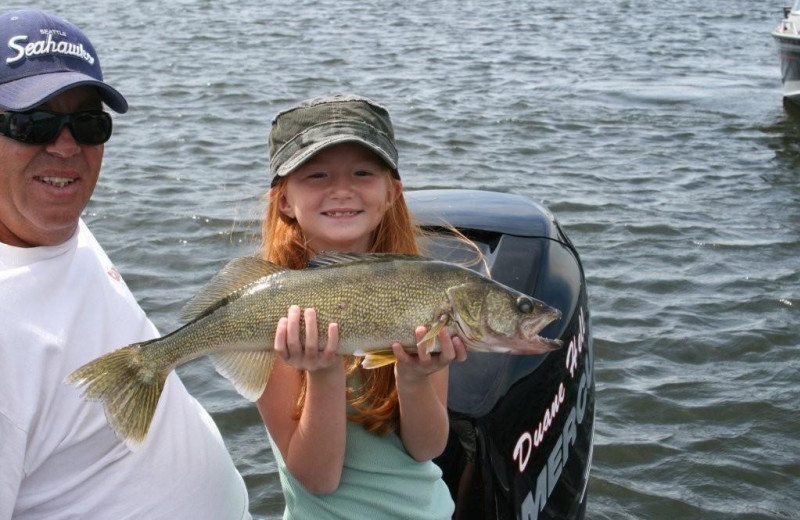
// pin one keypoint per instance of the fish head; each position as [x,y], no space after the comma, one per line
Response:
[491,317]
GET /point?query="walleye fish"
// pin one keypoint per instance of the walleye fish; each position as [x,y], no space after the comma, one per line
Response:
[376,299]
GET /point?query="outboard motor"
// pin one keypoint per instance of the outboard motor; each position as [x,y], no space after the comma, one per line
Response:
[522,427]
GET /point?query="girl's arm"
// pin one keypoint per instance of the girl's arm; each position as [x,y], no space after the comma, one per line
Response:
[313,446]
[422,391]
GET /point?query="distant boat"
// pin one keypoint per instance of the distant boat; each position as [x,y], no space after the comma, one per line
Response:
[787,37]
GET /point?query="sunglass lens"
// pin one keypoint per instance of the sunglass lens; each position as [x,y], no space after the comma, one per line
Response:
[28,128]
[40,128]
[91,128]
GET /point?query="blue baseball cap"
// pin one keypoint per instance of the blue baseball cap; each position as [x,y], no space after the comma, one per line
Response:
[42,56]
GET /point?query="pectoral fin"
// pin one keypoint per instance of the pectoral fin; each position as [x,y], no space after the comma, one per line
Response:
[429,340]
[248,371]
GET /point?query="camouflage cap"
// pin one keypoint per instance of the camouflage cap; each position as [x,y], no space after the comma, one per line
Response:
[305,129]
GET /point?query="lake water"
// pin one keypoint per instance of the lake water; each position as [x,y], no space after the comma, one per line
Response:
[655,131]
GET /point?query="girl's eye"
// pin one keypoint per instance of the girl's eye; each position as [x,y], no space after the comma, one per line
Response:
[316,175]
[363,173]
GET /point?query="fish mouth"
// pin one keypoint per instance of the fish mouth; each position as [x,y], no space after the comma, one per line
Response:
[531,341]
[532,326]
[537,345]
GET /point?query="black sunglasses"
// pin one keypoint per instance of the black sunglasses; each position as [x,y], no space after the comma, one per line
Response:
[91,127]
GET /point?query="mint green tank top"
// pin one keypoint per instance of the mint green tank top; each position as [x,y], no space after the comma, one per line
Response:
[380,481]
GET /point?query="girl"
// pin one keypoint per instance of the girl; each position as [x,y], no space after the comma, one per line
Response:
[349,442]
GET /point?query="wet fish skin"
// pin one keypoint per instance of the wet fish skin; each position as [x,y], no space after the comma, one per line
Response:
[375,299]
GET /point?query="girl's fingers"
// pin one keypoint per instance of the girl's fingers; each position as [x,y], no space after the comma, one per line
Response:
[451,349]
[423,355]
[279,344]
[329,354]
[460,349]
[304,354]
[447,353]
[293,344]
[312,336]
[400,353]
[419,333]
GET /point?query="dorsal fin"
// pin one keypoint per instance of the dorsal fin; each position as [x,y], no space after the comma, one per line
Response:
[329,258]
[237,274]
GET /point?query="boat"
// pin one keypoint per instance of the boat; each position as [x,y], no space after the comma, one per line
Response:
[787,38]
[522,427]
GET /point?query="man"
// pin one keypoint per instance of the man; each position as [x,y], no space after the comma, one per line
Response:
[62,304]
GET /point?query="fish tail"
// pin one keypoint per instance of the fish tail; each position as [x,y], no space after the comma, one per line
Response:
[128,388]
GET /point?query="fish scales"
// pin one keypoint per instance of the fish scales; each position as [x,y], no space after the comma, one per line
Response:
[370,303]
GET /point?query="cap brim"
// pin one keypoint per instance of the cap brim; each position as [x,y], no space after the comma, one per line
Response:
[27,93]
[307,152]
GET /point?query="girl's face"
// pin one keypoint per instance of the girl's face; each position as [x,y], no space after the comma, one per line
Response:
[339,197]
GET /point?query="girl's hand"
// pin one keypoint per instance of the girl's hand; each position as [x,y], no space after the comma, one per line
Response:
[411,368]
[305,354]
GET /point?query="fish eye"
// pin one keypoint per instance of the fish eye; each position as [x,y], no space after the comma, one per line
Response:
[524,305]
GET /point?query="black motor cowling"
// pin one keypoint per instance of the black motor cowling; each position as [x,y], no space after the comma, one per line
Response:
[521,426]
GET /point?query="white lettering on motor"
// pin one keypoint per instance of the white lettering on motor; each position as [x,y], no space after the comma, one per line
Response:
[522,451]
[536,499]
[521,454]
[576,345]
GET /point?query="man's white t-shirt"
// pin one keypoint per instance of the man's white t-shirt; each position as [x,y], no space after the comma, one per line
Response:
[61,307]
